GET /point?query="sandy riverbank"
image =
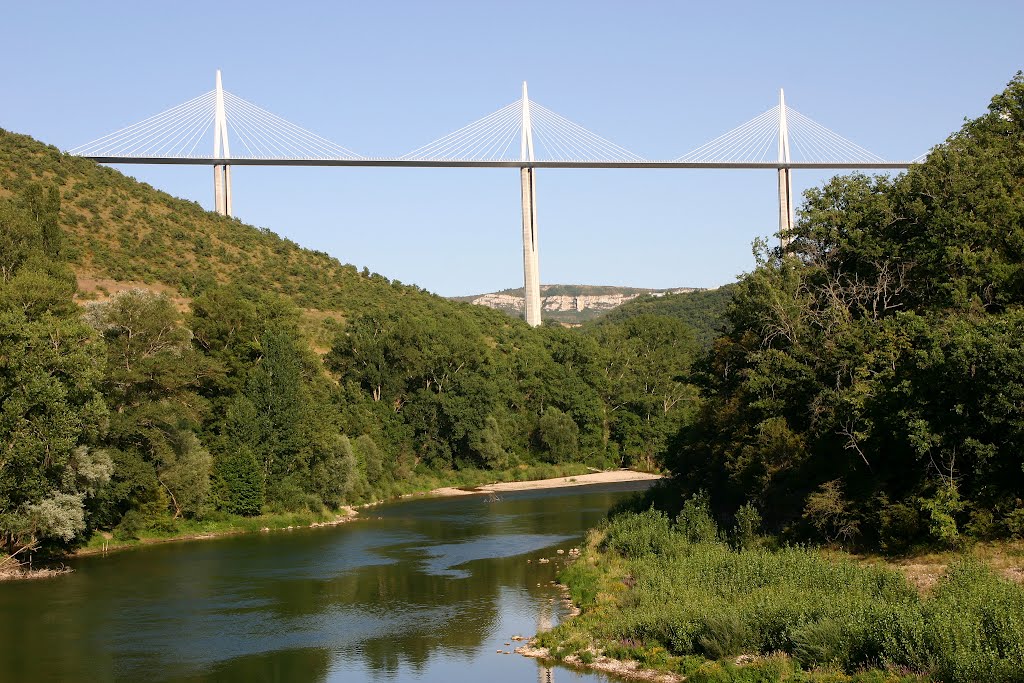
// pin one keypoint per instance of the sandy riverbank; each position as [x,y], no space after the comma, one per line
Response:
[556,483]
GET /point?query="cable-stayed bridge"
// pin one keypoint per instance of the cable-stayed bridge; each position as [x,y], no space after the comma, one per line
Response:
[522,134]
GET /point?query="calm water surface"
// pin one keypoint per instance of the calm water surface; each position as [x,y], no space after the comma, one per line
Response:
[425,590]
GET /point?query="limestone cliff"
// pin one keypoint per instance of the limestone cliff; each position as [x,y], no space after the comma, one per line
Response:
[570,304]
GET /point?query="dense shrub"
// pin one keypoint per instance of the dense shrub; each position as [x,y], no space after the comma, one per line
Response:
[640,534]
[706,599]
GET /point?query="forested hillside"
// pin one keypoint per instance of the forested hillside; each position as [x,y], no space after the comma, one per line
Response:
[159,363]
[870,390]
[704,311]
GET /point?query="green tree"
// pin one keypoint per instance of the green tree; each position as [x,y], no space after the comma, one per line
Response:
[151,385]
[239,479]
[873,373]
[559,436]
[52,414]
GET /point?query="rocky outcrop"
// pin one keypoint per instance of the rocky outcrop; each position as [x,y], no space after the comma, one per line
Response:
[502,302]
[570,307]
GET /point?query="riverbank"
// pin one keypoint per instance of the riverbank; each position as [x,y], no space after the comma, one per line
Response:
[673,600]
[589,479]
[101,543]
[183,530]
[202,530]
[21,573]
[229,525]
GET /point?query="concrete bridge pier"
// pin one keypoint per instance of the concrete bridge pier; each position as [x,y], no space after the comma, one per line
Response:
[785,178]
[222,189]
[785,206]
[531,261]
[221,150]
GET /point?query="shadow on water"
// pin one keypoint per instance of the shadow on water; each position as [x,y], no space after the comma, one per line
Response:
[427,589]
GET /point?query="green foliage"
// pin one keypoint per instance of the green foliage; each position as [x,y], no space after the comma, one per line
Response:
[583,582]
[185,475]
[748,526]
[333,471]
[150,385]
[723,634]
[131,525]
[695,522]
[824,642]
[1014,522]
[559,435]
[941,509]
[829,513]
[239,481]
[826,613]
[488,444]
[975,626]
[645,384]
[51,366]
[868,390]
[898,525]
[370,460]
[639,534]
[703,311]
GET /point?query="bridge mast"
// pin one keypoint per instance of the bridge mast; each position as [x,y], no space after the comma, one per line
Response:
[531,263]
[785,177]
[221,150]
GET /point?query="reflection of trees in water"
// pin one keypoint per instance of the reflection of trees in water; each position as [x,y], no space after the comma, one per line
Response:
[307,664]
[474,601]
[458,614]
[409,614]
[539,512]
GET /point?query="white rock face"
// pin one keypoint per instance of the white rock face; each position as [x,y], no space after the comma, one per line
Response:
[601,302]
[501,301]
[566,303]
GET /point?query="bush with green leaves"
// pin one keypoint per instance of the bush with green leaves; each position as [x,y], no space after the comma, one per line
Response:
[647,585]
[638,535]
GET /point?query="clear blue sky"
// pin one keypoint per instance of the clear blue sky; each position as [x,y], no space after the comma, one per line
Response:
[384,77]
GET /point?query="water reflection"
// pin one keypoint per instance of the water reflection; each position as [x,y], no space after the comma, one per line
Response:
[424,590]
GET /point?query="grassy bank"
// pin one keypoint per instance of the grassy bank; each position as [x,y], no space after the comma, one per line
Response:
[675,598]
[223,524]
[218,525]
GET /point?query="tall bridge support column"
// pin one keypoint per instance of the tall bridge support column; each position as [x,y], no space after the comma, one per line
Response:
[221,150]
[531,260]
[222,189]
[785,178]
[785,206]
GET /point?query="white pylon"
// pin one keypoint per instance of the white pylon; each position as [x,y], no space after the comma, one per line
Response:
[785,177]
[531,262]
[221,150]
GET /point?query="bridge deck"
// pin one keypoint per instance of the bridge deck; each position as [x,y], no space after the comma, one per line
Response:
[447,163]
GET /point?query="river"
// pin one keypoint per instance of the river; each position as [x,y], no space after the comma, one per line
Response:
[427,590]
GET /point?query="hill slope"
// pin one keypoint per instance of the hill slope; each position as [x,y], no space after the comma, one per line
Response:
[704,310]
[121,233]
